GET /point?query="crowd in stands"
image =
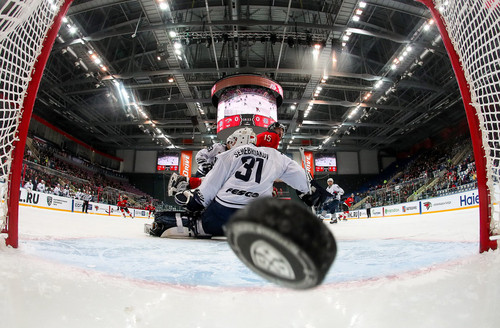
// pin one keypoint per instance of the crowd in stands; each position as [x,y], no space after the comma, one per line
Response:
[50,169]
[430,174]
[445,169]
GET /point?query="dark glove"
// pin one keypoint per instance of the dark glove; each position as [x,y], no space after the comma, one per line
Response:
[191,200]
[206,167]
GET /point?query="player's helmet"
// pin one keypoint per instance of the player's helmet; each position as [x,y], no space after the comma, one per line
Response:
[241,137]
[276,125]
[330,179]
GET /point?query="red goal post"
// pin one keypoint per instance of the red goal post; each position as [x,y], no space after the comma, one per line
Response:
[28,29]
[470,30]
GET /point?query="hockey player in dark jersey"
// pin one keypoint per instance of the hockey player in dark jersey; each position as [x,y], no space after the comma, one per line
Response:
[240,175]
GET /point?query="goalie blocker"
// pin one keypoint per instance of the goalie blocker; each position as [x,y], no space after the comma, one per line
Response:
[283,242]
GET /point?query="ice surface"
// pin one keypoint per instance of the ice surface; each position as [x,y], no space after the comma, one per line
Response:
[76,270]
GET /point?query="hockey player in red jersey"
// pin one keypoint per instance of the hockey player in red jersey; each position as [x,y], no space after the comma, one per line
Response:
[151,210]
[345,207]
[123,206]
[272,137]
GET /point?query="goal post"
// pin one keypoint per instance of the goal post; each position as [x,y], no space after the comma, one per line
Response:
[28,29]
[471,34]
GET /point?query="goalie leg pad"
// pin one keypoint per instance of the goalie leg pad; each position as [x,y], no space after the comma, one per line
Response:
[176,225]
[168,220]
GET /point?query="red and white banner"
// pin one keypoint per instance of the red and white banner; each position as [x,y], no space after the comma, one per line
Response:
[185,164]
[309,162]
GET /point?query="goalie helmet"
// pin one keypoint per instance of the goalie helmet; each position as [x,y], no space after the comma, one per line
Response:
[241,137]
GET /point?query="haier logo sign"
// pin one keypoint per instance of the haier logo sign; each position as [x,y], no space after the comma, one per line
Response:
[469,200]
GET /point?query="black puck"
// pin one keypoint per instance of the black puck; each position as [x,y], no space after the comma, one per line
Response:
[283,242]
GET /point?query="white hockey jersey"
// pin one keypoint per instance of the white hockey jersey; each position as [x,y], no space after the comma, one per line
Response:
[335,188]
[247,172]
[208,156]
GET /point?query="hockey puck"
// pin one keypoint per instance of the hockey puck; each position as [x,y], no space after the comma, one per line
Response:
[282,242]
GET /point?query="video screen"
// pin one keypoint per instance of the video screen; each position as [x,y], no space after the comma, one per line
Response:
[246,106]
[167,161]
[325,162]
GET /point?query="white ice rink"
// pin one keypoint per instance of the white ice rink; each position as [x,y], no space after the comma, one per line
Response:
[73,270]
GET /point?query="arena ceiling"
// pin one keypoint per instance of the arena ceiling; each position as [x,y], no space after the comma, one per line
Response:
[137,74]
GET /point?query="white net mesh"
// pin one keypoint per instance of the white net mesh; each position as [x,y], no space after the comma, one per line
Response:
[474,29]
[23,28]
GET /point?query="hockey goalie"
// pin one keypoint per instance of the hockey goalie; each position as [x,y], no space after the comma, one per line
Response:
[278,240]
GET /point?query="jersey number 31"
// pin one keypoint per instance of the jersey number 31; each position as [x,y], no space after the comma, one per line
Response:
[249,163]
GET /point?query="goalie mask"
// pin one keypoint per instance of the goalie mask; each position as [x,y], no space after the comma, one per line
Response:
[241,137]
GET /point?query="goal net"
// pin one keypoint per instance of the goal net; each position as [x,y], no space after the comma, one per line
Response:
[471,34]
[27,31]
[470,31]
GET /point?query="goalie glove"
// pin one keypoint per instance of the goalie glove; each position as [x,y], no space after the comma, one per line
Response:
[191,200]
[206,167]
[306,197]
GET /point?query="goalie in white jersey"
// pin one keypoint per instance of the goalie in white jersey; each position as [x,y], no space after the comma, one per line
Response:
[240,175]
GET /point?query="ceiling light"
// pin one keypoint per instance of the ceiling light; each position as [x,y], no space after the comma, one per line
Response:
[359,12]
[362,4]
[172,34]
[163,5]
[355,18]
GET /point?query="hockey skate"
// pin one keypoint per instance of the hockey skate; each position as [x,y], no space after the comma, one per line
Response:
[177,183]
